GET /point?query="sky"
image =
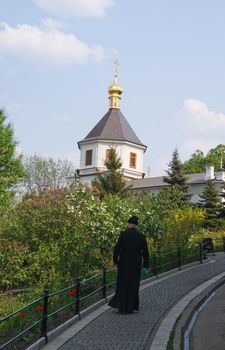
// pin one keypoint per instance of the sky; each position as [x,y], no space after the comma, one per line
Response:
[56,63]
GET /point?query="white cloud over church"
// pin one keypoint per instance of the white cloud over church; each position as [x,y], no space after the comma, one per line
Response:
[47,44]
[75,8]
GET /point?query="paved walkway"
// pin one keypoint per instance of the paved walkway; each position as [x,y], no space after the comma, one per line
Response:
[111,330]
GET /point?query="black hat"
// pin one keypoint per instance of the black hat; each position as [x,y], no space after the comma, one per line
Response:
[133,220]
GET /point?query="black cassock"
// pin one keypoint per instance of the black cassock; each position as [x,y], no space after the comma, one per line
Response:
[130,249]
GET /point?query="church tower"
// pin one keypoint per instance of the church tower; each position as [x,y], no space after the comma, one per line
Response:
[112,130]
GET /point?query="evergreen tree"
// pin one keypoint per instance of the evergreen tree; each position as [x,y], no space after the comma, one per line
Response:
[112,180]
[11,169]
[211,202]
[176,176]
[222,196]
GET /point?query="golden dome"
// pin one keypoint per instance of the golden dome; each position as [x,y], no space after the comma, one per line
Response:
[115,90]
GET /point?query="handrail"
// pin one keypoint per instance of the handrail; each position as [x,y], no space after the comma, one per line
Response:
[90,278]
[19,335]
[62,290]
[21,309]
[172,251]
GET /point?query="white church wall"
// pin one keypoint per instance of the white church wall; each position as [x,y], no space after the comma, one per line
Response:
[102,147]
[139,158]
[123,151]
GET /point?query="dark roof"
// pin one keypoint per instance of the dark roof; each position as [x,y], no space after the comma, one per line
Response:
[113,126]
[151,182]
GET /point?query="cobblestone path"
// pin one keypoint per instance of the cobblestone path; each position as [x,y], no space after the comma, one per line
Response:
[111,330]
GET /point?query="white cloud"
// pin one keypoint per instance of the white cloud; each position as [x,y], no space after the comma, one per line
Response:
[47,44]
[75,8]
[202,118]
[200,127]
[204,145]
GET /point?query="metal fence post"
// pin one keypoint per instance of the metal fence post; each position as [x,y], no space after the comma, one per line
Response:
[44,325]
[77,302]
[155,265]
[179,258]
[200,252]
[104,283]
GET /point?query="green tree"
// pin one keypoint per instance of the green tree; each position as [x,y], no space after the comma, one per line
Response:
[198,161]
[211,202]
[111,182]
[11,169]
[176,176]
[216,156]
[46,173]
[222,196]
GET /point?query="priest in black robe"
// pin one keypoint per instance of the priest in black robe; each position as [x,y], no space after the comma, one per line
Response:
[130,252]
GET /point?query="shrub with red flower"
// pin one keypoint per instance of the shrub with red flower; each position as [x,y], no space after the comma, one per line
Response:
[22,314]
[39,308]
[72,292]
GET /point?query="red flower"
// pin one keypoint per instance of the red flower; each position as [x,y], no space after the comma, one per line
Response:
[22,314]
[39,308]
[72,292]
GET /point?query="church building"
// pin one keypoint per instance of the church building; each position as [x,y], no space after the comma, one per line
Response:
[113,130]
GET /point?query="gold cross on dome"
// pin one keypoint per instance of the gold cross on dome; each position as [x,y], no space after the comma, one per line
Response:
[117,63]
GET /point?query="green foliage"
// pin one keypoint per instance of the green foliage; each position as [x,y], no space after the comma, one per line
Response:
[176,177]
[67,234]
[51,232]
[217,236]
[204,233]
[100,220]
[198,161]
[12,261]
[222,196]
[57,236]
[45,173]
[167,219]
[211,202]
[11,169]
[111,182]
[181,224]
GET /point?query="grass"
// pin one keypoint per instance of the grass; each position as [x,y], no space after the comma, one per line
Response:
[172,335]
